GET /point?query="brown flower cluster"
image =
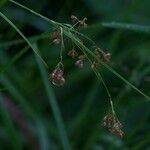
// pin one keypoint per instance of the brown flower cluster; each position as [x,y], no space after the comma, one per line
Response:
[111,122]
[57,75]
[73,54]
[80,23]
[56,37]
[100,55]
[80,58]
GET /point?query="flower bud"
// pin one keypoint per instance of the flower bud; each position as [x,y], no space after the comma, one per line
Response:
[107,57]
[56,37]
[72,54]
[57,76]
[113,125]
[79,63]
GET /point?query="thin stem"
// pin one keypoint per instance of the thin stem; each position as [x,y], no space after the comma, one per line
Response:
[62,45]
[74,25]
[21,41]
[37,14]
[54,106]
[108,93]
[103,82]
[24,37]
[78,42]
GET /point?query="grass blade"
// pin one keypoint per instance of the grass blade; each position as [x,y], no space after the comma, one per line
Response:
[24,7]
[12,132]
[16,94]
[21,41]
[54,105]
[29,43]
[84,48]
[42,135]
[127,26]
[14,59]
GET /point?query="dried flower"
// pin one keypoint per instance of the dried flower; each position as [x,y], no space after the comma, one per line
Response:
[80,63]
[74,19]
[82,57]
[57,75]
[100,51]
[72,53]
[95,64]
[82,23]
[116,131]
[107,57]
[56,37]
[113,125]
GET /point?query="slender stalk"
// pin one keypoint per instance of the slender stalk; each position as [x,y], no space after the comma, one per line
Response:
[75,39]
[29,43]
[78,42]
[55,108]
[37,14]
[62,45]
[14,59]
[21,41]
[101,79]
[108,93]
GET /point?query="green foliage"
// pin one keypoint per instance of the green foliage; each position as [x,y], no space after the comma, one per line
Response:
[76,109]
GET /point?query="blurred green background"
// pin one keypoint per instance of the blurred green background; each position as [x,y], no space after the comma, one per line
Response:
[36,115]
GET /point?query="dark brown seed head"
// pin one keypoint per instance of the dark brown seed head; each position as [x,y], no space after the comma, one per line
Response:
[74,18]
[97,53]
[56,37]
[79,63]
[82,57]
[107,57]
[57,76]
[113,125]
[84,19]
[82,24]
[108,120]
[95,65]
[72,54]
[117,131]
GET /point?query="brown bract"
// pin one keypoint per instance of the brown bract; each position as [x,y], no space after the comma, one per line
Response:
[113,125]
[74,19]
[95,65]
[56,37]
[80,23]
[57,76]
[105,56]
[80,62]
[72,54]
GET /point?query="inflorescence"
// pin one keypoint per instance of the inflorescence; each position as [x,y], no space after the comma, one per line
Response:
[110,121]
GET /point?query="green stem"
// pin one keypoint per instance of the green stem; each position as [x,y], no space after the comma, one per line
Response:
[101,79]
[55,108]
[62,45]
[29,43]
